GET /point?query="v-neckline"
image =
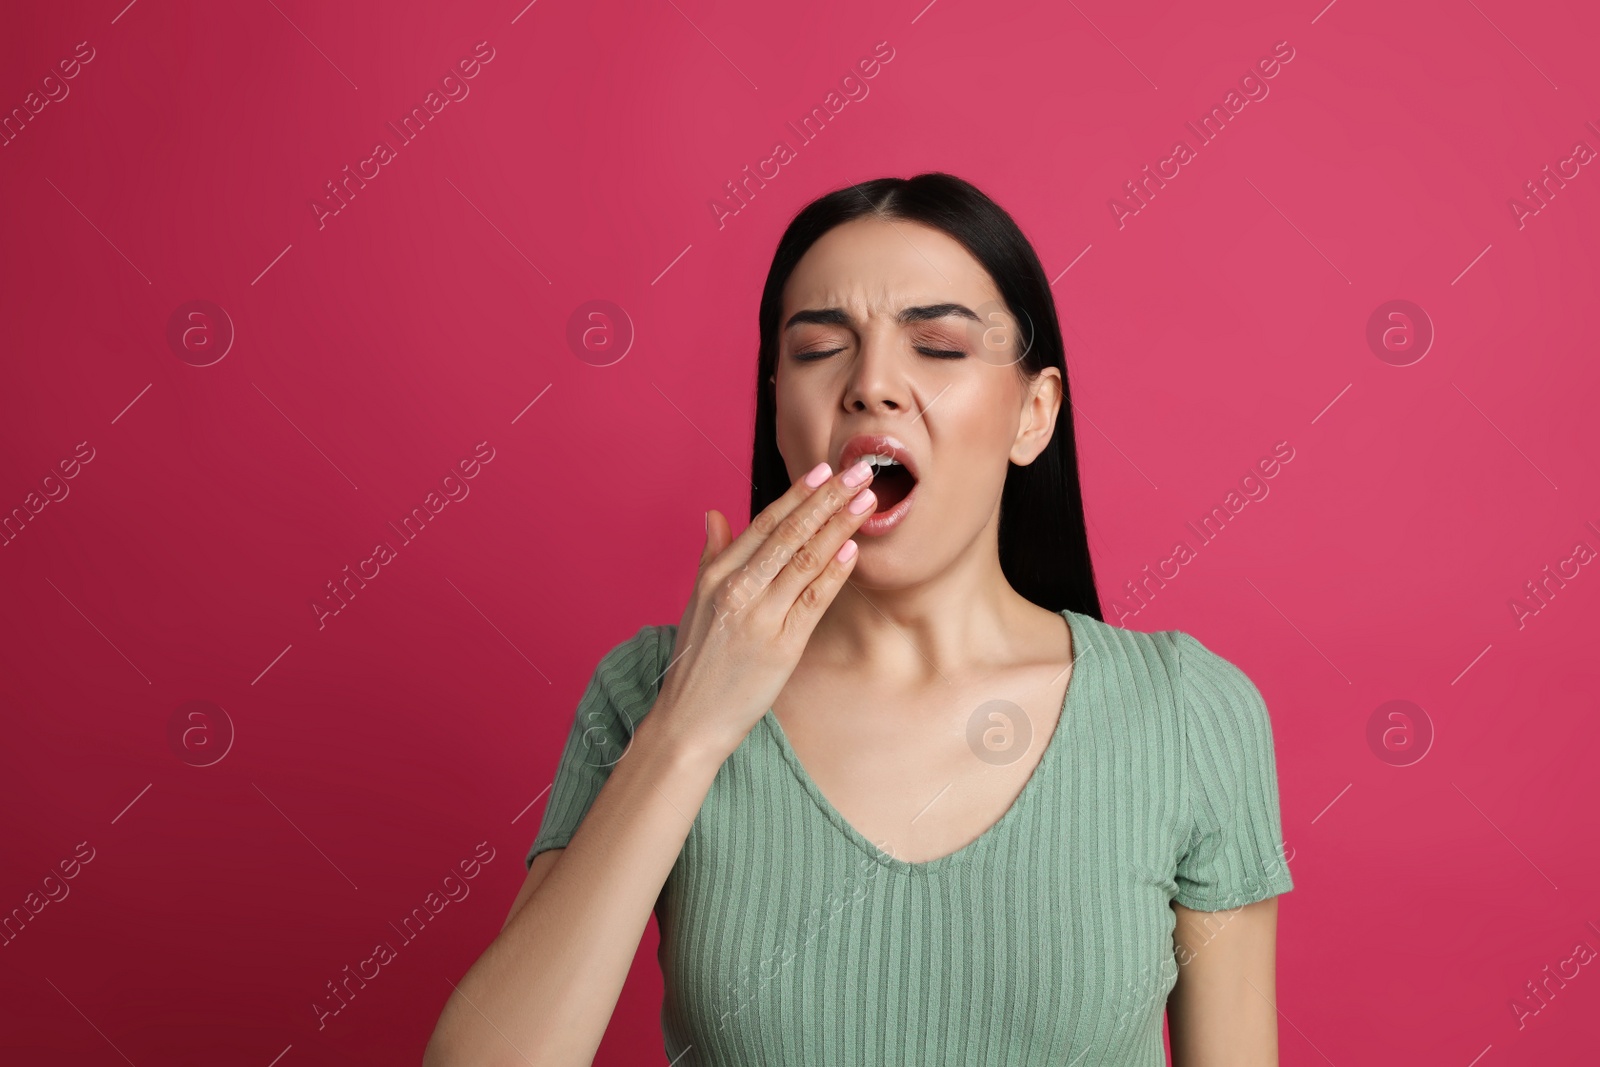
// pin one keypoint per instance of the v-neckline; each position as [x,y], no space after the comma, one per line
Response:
[1070,700]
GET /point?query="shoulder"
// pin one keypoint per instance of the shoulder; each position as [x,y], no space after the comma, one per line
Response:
[629,673]
[1222,708]
[1167,646]
[633,655]
[1141,658]
[1208,677]
[1198,682]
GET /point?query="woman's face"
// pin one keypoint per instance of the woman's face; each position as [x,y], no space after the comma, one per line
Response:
[894,328]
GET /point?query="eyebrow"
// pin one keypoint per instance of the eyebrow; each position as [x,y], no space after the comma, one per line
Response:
[839,317]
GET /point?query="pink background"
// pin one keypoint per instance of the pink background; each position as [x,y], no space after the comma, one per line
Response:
[374,753]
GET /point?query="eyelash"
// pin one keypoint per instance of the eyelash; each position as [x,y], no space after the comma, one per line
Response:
[937,353]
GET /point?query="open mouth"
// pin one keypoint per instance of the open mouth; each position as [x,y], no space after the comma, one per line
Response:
[891,483]
[894,481]
[895,488]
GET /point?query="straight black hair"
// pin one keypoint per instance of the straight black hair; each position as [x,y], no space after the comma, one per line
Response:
[1044,544]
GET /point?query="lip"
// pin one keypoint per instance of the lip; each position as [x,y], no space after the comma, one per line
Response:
[882,444]
[878,444]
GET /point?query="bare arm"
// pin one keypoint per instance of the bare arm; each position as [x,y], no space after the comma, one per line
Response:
[1222,1011]
[544,990]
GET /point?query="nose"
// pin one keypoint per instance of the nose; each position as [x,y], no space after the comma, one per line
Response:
[878,377]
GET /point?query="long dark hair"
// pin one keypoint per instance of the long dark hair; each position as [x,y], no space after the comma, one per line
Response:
[1044,545]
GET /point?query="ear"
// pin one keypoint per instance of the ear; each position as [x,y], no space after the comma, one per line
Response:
[1037,422]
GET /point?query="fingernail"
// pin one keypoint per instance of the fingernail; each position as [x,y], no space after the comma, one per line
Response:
[818,475]
[862,501]
[846,550]
[857,474]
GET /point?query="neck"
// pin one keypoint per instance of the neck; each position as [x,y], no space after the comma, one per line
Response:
[937,629]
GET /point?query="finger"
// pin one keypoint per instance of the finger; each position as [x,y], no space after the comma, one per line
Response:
[815,597]
[716,537]
[811,558]
[776,542]
[794,534]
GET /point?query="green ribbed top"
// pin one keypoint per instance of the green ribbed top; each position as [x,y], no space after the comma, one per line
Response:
[788,938]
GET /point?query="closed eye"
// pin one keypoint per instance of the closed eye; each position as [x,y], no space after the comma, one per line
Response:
[937,353]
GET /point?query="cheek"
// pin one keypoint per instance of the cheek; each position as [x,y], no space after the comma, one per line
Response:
[976,420]
[973,431]
[802,427]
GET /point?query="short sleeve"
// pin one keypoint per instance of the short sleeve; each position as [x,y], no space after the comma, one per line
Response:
[1233,852]
[622,688]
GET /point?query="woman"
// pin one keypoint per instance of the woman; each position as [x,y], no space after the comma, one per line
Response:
[893,789]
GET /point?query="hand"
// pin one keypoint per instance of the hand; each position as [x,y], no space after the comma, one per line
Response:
[755,603]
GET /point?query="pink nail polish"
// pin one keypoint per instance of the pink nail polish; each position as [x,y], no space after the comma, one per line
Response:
[818,475]
[846,550]
[862,501]
[857,474]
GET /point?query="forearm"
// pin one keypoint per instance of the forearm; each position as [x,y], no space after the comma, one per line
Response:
[544,990]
